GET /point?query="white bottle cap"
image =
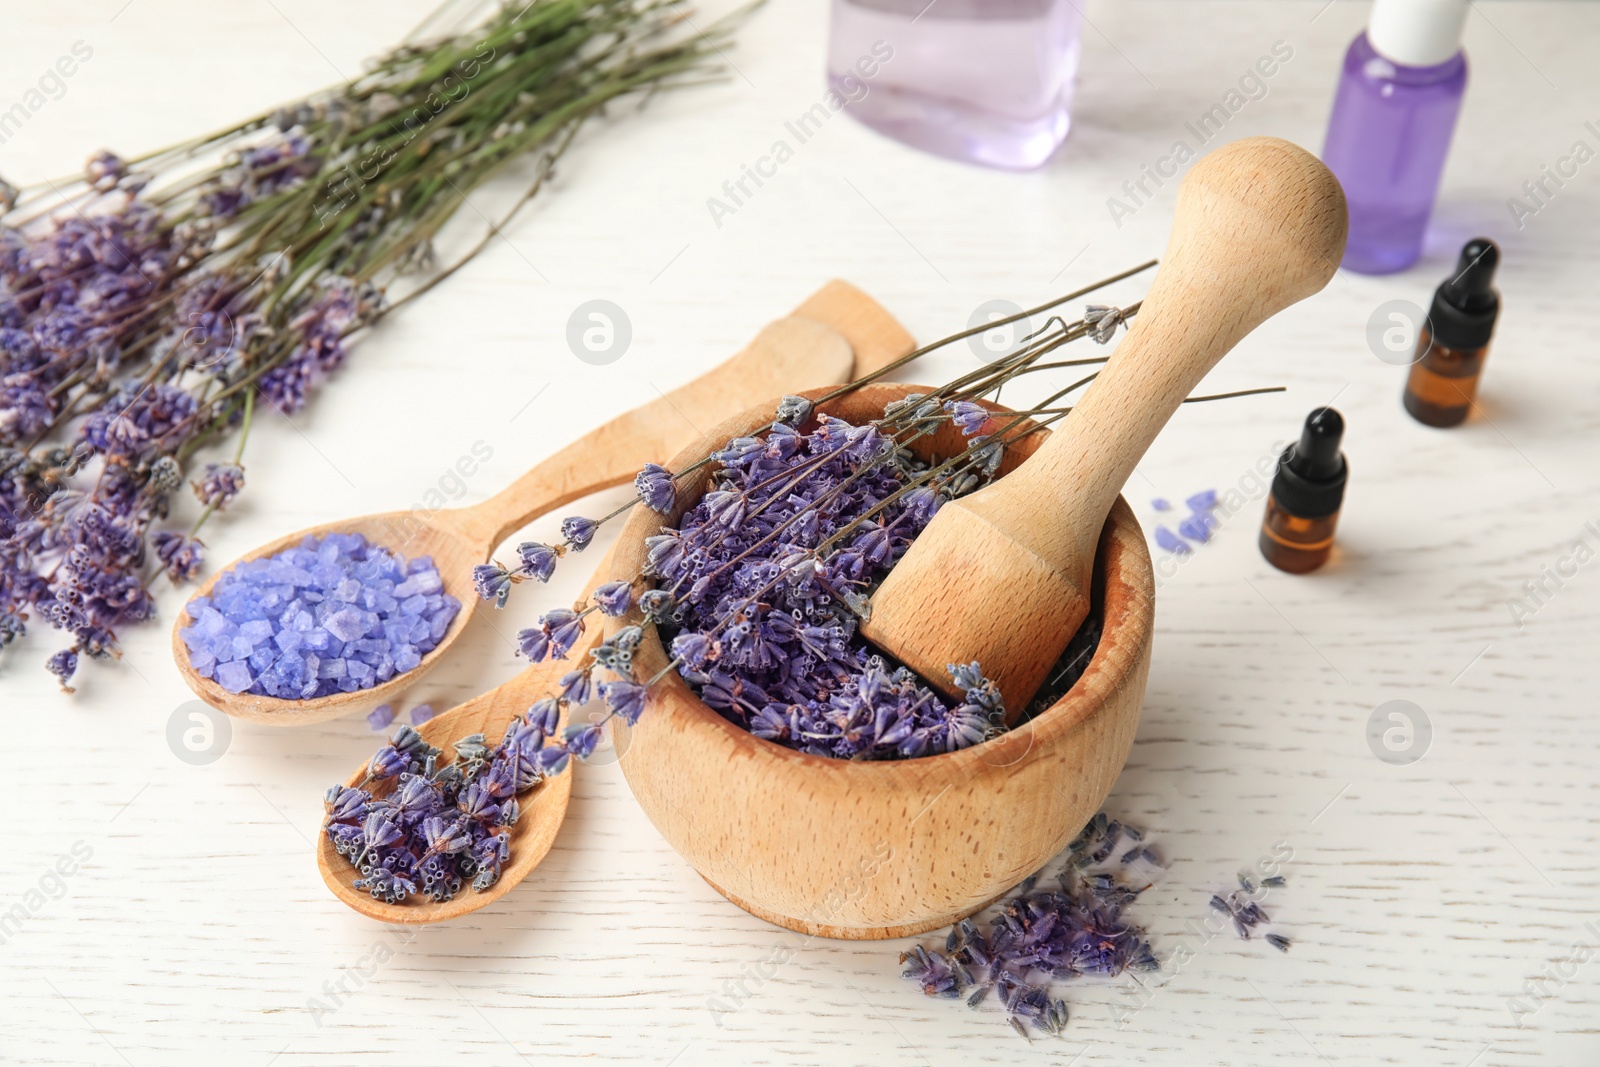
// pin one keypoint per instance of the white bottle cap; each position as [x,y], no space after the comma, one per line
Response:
[1417,33]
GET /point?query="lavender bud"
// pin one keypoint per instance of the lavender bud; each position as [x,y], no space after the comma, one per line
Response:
[655,488]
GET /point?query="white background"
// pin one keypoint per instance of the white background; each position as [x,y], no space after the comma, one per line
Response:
[1420,897]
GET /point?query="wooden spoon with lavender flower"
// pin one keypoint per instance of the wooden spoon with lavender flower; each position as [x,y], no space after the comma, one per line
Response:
[877,341]
[839,332]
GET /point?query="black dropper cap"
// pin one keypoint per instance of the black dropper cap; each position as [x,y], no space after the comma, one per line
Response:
[1465,306]
[1311,474]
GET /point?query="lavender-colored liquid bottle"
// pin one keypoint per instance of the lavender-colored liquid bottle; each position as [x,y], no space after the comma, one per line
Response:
[987,81]
[1387,140]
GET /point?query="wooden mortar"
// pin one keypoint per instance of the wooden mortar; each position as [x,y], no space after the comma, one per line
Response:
[881,849]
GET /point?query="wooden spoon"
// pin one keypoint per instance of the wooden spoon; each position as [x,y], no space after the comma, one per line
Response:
[543,807]
[877,340]
[1002,576]
[813,346]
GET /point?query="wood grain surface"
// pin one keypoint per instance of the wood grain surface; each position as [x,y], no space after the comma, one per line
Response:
[1444,911]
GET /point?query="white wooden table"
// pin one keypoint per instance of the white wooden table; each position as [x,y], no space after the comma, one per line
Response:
[1422,896]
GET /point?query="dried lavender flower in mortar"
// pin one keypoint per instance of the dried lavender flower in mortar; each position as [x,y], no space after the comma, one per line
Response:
[614,598]
[792,411]
[656,604]
[538,560]
[654,486]
[624,699]
[578,531]
[1102,322]
[967,416]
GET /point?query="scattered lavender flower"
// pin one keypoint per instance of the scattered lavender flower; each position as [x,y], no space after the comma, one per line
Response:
[1246,912]
[1039,935]
[334,615]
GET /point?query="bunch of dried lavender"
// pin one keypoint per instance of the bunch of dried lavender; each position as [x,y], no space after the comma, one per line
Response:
[1040,935]
[764,580]
[149,304]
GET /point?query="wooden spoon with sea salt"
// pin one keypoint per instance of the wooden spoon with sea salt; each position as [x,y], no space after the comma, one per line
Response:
[838,333]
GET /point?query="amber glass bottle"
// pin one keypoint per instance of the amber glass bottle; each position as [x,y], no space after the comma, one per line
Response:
[1307,491]
[1451,348]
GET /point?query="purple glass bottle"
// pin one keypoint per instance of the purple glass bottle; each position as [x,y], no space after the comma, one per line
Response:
[1393,116]
[986,81]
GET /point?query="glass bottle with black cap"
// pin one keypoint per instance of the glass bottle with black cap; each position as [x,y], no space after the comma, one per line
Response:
[1307,491]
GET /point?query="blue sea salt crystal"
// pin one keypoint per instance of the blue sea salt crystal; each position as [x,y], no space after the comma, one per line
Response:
[380,717]
[335,615]
[1197,527]
[1160,503]
[234,677]
[1171,541]
[1202,501]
